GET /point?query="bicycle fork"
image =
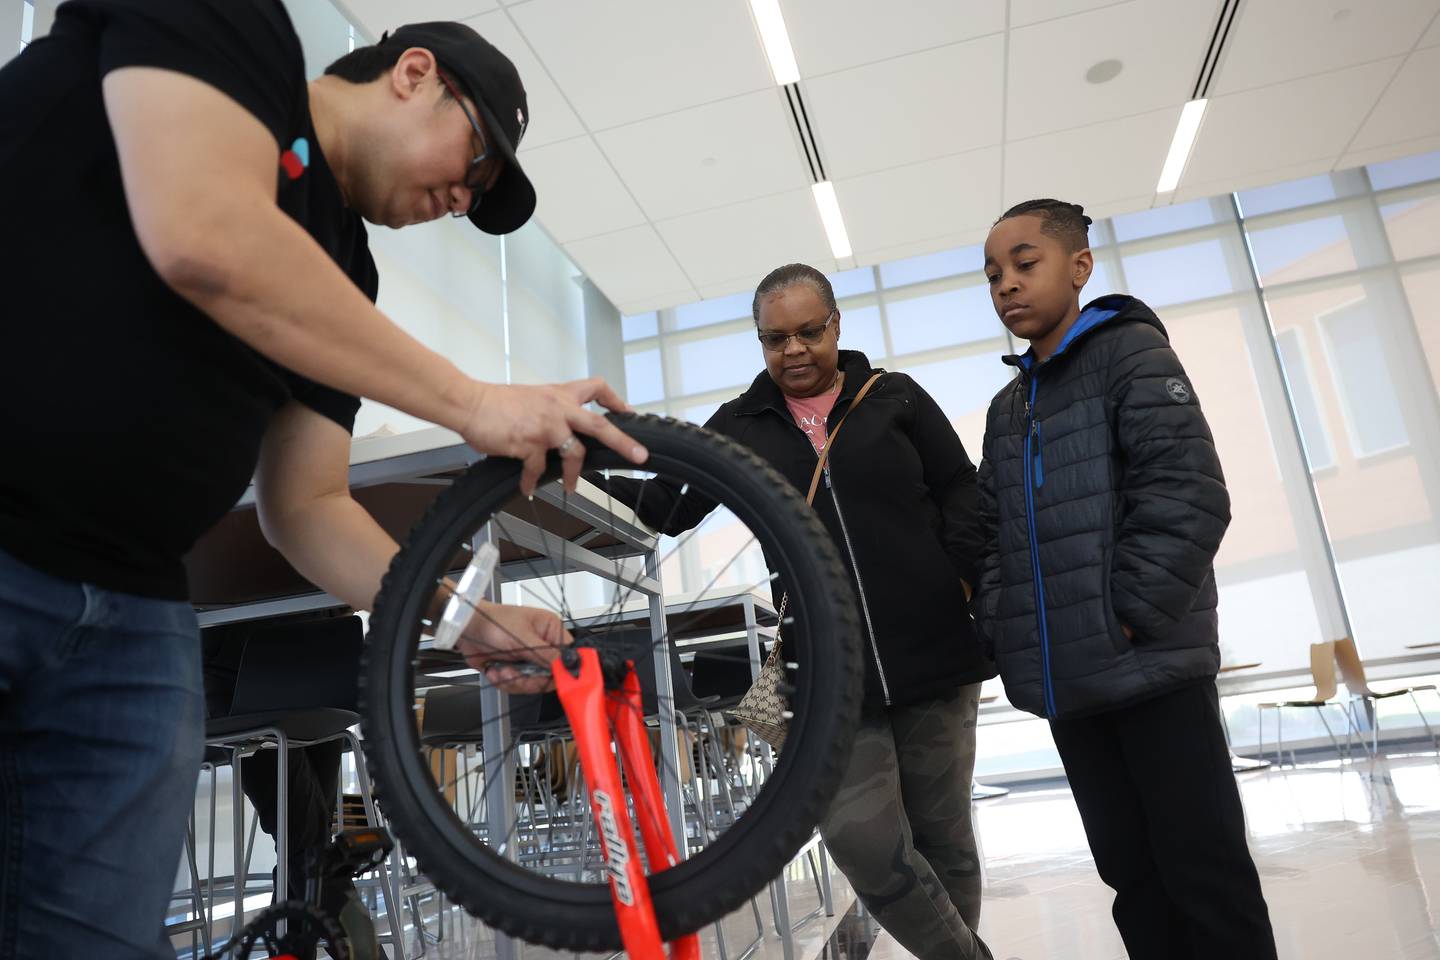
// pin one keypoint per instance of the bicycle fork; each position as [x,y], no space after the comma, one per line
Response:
[594,714]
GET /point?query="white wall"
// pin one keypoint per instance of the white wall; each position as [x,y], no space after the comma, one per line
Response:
[324,33]
[12,15]
[546,308]
[441,283]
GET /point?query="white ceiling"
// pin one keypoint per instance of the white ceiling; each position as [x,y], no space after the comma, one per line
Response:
[668,166]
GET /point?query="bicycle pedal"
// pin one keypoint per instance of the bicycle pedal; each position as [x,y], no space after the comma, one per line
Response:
[352,851]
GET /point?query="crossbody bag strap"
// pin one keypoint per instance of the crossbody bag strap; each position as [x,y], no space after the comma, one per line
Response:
[810,498]
[830,440]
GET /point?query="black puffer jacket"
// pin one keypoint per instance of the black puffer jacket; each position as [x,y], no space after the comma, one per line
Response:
[1104,505]
[901,506]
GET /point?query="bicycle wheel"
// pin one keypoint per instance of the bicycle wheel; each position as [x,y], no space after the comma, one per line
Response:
[497,819]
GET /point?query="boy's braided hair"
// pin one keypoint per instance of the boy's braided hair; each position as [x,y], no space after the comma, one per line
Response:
[1065,222]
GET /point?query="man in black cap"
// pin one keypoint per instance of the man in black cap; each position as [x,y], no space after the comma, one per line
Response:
[193,305]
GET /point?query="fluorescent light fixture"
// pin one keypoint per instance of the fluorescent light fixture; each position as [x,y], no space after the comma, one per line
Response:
[1181,146]
[776,39]
[830,216]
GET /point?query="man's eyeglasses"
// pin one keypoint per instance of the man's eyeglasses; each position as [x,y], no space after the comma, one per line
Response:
[478,175]
[809,336]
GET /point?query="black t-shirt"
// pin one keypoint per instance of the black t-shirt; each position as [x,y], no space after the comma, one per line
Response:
[130,422]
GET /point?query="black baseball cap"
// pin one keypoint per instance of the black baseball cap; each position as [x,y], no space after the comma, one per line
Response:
[490,79]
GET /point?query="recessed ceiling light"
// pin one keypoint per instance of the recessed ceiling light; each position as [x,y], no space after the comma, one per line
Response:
[776,39]
[1104,71]
[834,223]
[1180,147]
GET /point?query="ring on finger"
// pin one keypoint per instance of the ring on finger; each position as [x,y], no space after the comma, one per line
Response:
[565,447]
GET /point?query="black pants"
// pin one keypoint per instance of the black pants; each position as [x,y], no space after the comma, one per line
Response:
[314,778]
[1163,817]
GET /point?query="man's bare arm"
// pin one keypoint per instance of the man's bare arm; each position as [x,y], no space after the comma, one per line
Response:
[200,173]
[307,513]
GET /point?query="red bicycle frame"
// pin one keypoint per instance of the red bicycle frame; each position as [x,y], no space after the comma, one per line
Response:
[594,712]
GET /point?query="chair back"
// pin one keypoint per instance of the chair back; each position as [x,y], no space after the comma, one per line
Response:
[642,653]
[300,665]
[1352,669]
[1322,670]
[722,673]
[451,714]
[686,699]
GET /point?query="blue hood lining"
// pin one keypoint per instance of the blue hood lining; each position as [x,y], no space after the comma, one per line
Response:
[1096,314]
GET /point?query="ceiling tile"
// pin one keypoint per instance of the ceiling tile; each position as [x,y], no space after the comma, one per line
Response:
[1275,40]
[1114,208]
[709,156]
[377,16]
[1432,36]
[1160,45]
[918,248]
[1092,165]
[551,118]
[1286,124]
[932,199]
[1024,12]
[1199,190]
[662,302]
[1393,151]
[830,35]
[911,108]
[579,194]
[728,288]
[631,265]
[1402,112]
[749,239]
[621,63]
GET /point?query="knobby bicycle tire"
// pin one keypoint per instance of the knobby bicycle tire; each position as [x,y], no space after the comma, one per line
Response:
[822,635]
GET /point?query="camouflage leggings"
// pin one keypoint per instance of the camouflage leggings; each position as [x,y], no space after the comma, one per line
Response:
[899,827]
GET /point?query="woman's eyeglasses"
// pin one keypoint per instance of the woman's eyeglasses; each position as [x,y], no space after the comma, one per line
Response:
[809,336]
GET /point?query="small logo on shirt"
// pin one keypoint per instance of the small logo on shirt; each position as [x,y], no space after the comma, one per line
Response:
[1177,390]
[296,159]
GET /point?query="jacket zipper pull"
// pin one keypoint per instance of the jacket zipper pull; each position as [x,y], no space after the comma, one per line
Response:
[826,471]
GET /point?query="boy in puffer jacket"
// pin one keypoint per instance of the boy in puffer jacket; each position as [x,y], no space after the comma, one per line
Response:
[1104,505]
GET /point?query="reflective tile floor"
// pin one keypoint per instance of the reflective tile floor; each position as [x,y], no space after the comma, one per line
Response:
[1349,854]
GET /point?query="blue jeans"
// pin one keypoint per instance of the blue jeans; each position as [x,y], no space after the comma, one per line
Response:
[101,734]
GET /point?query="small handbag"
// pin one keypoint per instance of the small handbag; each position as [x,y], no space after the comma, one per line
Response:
[764,707]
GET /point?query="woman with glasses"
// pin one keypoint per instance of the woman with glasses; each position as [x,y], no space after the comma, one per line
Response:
[899,497]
